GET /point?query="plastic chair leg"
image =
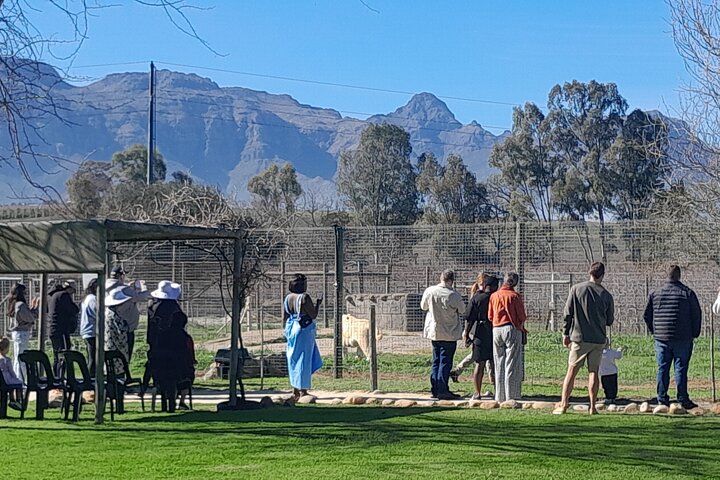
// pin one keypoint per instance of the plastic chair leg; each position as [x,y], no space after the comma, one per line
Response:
[41,404]
[25,400]
[76,406]
[4,398]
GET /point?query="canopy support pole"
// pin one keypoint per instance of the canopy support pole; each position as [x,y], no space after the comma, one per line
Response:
[42,328]
[235,325]
[100,345]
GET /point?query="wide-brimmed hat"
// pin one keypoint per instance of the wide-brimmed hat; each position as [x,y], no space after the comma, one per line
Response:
[117,272]
[116,297]
[167,290]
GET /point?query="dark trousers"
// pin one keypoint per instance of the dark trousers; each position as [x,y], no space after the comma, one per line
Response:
[442,362]
[90,343]
[58,345]
[677,352]
[610,386]
[131,345]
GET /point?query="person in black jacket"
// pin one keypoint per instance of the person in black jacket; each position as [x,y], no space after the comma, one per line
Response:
[162,306]
[674,317]
[477,323]
[62,317]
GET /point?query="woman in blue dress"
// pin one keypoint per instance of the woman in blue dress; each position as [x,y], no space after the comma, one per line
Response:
[300,330]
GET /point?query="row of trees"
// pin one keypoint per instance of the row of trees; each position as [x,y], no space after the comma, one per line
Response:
[585,158]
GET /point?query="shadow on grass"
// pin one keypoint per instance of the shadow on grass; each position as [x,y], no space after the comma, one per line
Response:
[662,447]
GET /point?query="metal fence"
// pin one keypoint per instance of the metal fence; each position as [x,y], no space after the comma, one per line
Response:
[390,266]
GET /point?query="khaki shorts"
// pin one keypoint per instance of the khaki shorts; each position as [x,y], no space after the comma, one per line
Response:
[592,352]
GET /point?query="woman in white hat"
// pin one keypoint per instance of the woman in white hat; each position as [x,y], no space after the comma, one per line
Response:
[162,307]
[116,327]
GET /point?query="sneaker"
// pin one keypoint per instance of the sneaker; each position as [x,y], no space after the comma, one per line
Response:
[15,405]
[489,394]
[183,406]
[476,397]
[454,376]
[449,396]
[609,401]
[689,404]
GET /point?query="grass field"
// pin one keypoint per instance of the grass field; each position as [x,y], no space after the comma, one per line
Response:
[317,442]
[545,365]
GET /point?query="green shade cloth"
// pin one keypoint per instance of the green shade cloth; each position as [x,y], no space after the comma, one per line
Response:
[80,246]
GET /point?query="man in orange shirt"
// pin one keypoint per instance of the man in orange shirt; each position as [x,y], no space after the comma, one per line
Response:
[507,314]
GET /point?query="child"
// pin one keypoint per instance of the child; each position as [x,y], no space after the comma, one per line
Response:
[609,372]
[9,375]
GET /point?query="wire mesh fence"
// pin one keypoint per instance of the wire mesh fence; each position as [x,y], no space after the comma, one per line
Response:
[390,267]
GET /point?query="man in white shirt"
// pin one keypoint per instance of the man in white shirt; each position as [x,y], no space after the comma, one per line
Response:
[444,327]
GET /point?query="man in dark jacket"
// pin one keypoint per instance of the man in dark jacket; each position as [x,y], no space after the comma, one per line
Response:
[62,317]
[673,316]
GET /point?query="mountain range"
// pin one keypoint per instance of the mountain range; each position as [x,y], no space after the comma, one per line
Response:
[225,135]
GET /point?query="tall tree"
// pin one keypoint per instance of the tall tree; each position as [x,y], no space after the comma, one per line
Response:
[696,164]
[87,187]
[377,181]
[452,192]
[528,166]
[638,161]
[585,119]
[276,188]
[130,165]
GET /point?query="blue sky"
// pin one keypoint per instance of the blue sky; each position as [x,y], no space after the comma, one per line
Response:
[502,51]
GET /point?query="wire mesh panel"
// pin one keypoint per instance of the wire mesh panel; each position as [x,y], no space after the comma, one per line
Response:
[390,267]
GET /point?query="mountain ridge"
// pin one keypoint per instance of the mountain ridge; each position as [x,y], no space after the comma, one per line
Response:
[225,135]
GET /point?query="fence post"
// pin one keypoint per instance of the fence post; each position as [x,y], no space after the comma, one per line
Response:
[325,297]
[519,260]
[282,290]
[387,278]
[339,298]
[373,351]
[361,279]
[712,357]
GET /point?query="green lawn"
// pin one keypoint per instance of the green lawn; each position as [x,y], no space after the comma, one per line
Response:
[545,366]
[315,442]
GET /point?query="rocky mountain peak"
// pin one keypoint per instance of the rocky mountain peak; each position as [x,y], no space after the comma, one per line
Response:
[426,107]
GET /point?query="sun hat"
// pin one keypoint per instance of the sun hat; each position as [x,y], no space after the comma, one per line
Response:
[116,297]
[117,272]
[167,290]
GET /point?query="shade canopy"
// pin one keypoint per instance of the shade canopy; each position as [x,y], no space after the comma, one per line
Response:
[80,246]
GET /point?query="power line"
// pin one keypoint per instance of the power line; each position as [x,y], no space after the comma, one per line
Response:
[302,80]
[334,84]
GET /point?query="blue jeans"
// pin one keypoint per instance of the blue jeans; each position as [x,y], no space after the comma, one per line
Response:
[667,353]
[442,362]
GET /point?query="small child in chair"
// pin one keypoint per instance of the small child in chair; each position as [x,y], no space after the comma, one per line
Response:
[609,372]
[9,376]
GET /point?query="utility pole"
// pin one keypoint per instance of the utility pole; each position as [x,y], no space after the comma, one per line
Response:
[151,126]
